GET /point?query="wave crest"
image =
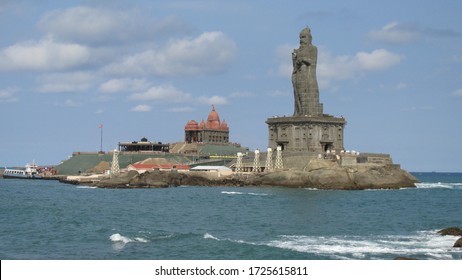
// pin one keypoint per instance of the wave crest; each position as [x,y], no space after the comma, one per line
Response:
[117,237]
[424,244]
[241,193]
[209,236]
[440,185]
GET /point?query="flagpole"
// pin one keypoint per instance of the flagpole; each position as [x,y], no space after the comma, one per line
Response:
[101,143]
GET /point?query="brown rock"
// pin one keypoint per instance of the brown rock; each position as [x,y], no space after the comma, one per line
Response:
[383,177]
[458,243]
[455,231]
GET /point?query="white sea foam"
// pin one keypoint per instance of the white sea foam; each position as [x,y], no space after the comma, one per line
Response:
[119,241]
[440,185]
[141,239]
[258,194]
[231,193]
[117,237]
[209,236]
[424,243]
[85,187]
[242,193]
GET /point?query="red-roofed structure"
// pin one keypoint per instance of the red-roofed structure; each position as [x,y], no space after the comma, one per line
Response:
[212,131]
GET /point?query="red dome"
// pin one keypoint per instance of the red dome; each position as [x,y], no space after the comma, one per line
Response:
[224,125]
[213,121]
[191,125]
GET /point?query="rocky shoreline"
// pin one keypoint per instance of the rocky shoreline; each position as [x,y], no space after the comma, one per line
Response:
[318,174]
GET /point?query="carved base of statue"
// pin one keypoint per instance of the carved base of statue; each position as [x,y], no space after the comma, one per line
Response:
[306,134]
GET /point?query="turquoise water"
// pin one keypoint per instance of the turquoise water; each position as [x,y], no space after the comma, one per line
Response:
[49,220]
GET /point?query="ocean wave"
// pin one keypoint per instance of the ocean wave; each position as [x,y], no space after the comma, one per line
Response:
[209,236]
[232,193]
[86,187]
[421,245]
[117,237]
[440,185]
[424,244]
[243,193]
[119,241]
[258,194]
[141,239]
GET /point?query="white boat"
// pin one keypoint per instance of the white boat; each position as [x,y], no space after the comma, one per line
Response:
[29,172]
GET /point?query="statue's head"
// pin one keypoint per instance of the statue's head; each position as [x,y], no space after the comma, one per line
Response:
[305,36]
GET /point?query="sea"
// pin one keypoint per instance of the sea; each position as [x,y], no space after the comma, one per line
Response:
[49,220]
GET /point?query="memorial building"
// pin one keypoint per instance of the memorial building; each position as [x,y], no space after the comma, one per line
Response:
[212,131]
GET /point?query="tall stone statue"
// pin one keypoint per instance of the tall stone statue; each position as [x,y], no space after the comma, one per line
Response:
[306,91]
[309,129]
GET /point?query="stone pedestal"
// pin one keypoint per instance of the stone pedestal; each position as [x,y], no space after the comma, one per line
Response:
[306,133]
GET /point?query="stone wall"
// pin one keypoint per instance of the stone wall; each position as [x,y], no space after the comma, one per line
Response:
[380,159]
[347,159]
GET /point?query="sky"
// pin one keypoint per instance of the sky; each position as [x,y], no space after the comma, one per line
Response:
[393,69]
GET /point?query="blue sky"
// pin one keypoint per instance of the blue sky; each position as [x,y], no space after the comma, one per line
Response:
[393,69]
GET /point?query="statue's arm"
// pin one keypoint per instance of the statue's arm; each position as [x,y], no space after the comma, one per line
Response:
[308,58]
[305,60]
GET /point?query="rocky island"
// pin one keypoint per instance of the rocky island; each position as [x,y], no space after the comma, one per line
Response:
[318,173]
[309,144]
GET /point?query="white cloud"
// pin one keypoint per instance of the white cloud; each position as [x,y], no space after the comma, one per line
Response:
[241,94]
[141,108]
[68,103]
[421,108]
[279,93]
[333,68]
[8,95]
[204,7]
[284,57]
[457,58]
[79,22]
[395,33]
[213,100]
[458,92]
[67,82]
[399,33]
[71,103]
[165,93]
[181,109]
[170,94]
[401,86]
[376,60]
[43,55]
[95,25]
[124,85]
[342,67]
[209,53]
